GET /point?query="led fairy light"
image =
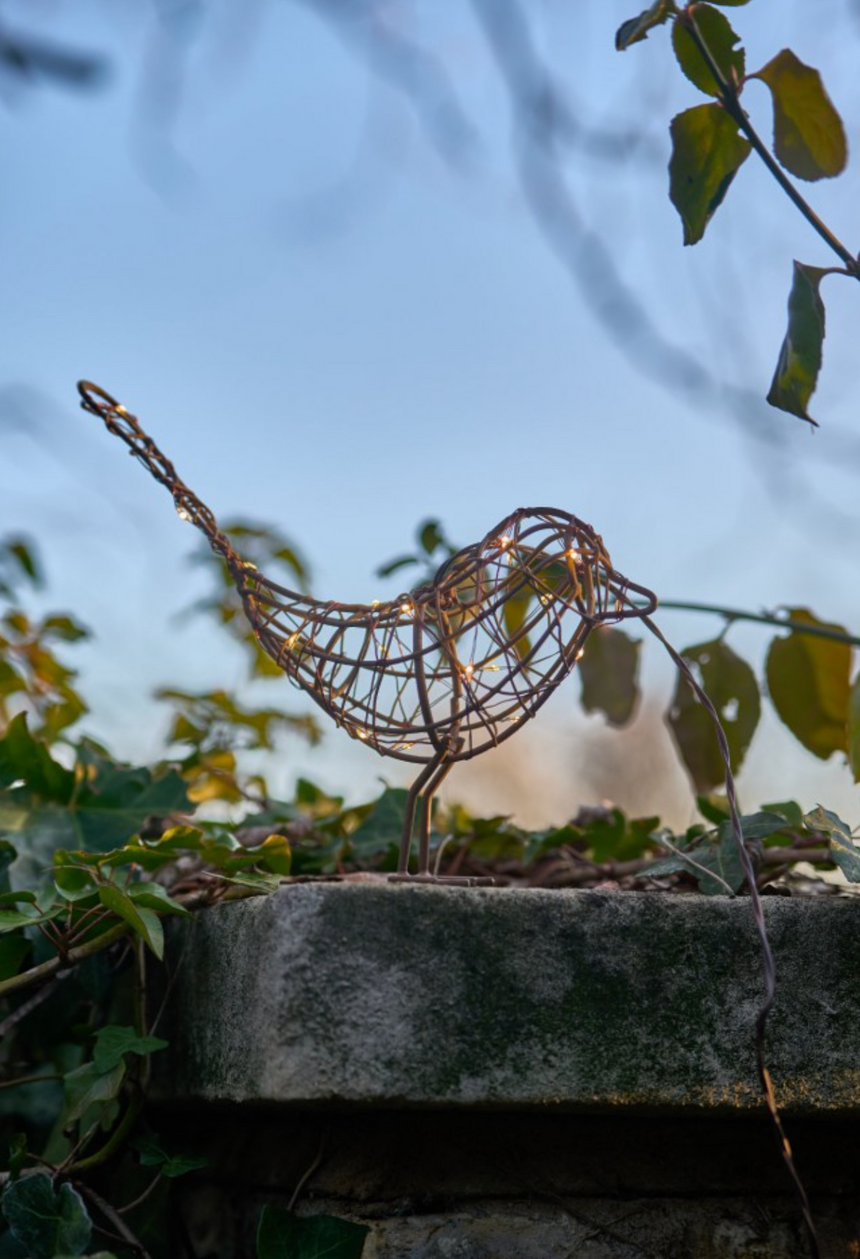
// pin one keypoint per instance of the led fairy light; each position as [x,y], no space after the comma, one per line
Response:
[456,674]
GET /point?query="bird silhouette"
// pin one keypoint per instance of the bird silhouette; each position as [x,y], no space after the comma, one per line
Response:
[445,671]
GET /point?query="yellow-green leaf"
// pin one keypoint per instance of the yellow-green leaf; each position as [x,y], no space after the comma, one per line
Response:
[800,357]
[854,728]
[808,681]
[732,688]
[609,669]
[707,153]
[722,42]
[808,135]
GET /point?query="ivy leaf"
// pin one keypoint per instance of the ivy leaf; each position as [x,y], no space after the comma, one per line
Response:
[808,681]
[46,1221]
[114,1041]
[842,847]
[717,33]
[609,671]
[87,1086]
[731,685]
[637,28]
[94,807]
[382,827]
[808,135]
[714,864]
[283,1235]
[146,923]
[707,152]
[152,1154]
[154,896]
[800,357]
[23,758]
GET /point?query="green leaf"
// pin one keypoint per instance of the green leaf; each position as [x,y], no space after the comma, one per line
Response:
[800,356]
[13,950]
[609,671]
[93,808]
[152,1154]
[395,565]
[759,825]
[714,807]
[854,728]
[73,880]
[283,1235]
[23,758]
[731,687]
[383,826]
[46,1221]
[154,896]
[808,681]
[18,553]
[431,536]
[790,810]
[143,921]
[721,40]
[114,1041]
[17,1154]
[842,847]
[715,861]
[637,28]
[87,1086]
[707,152]
[808,135]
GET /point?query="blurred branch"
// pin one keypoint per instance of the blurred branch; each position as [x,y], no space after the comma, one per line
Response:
[28,58]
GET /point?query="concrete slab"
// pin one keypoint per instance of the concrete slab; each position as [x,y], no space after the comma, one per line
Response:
[394,995]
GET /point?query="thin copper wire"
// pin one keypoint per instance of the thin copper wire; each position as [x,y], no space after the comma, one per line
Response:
[445,671]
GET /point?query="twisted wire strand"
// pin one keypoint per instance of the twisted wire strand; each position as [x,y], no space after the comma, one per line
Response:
[768,965]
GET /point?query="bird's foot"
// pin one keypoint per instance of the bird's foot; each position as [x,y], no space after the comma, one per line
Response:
[449,880]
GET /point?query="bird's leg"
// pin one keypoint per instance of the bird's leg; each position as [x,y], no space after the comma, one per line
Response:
[426,797]
[424,788]
[409,819]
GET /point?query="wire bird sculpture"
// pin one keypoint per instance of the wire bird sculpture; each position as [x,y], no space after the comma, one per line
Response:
[459,664]
[445,671]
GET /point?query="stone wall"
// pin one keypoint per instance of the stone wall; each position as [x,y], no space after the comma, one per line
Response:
[486,1072]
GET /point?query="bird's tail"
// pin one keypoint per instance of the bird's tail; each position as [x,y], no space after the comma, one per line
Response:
[123,424]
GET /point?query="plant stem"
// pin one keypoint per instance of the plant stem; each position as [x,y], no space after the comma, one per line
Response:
[764,618]
[114,1141]
[729,99]
[56,964]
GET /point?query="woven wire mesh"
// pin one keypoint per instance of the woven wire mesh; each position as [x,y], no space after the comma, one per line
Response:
[450,668]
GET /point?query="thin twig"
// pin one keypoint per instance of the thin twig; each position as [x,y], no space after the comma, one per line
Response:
[305,1177]
[26,1007]
[114,1218]
[45,970]
[763,618]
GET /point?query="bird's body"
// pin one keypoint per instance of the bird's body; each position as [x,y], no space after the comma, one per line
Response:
[445,671]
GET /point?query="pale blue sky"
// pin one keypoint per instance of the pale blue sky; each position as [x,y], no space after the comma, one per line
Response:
[428,354]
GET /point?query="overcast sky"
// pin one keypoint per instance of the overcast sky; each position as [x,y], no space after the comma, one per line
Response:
[325,292]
